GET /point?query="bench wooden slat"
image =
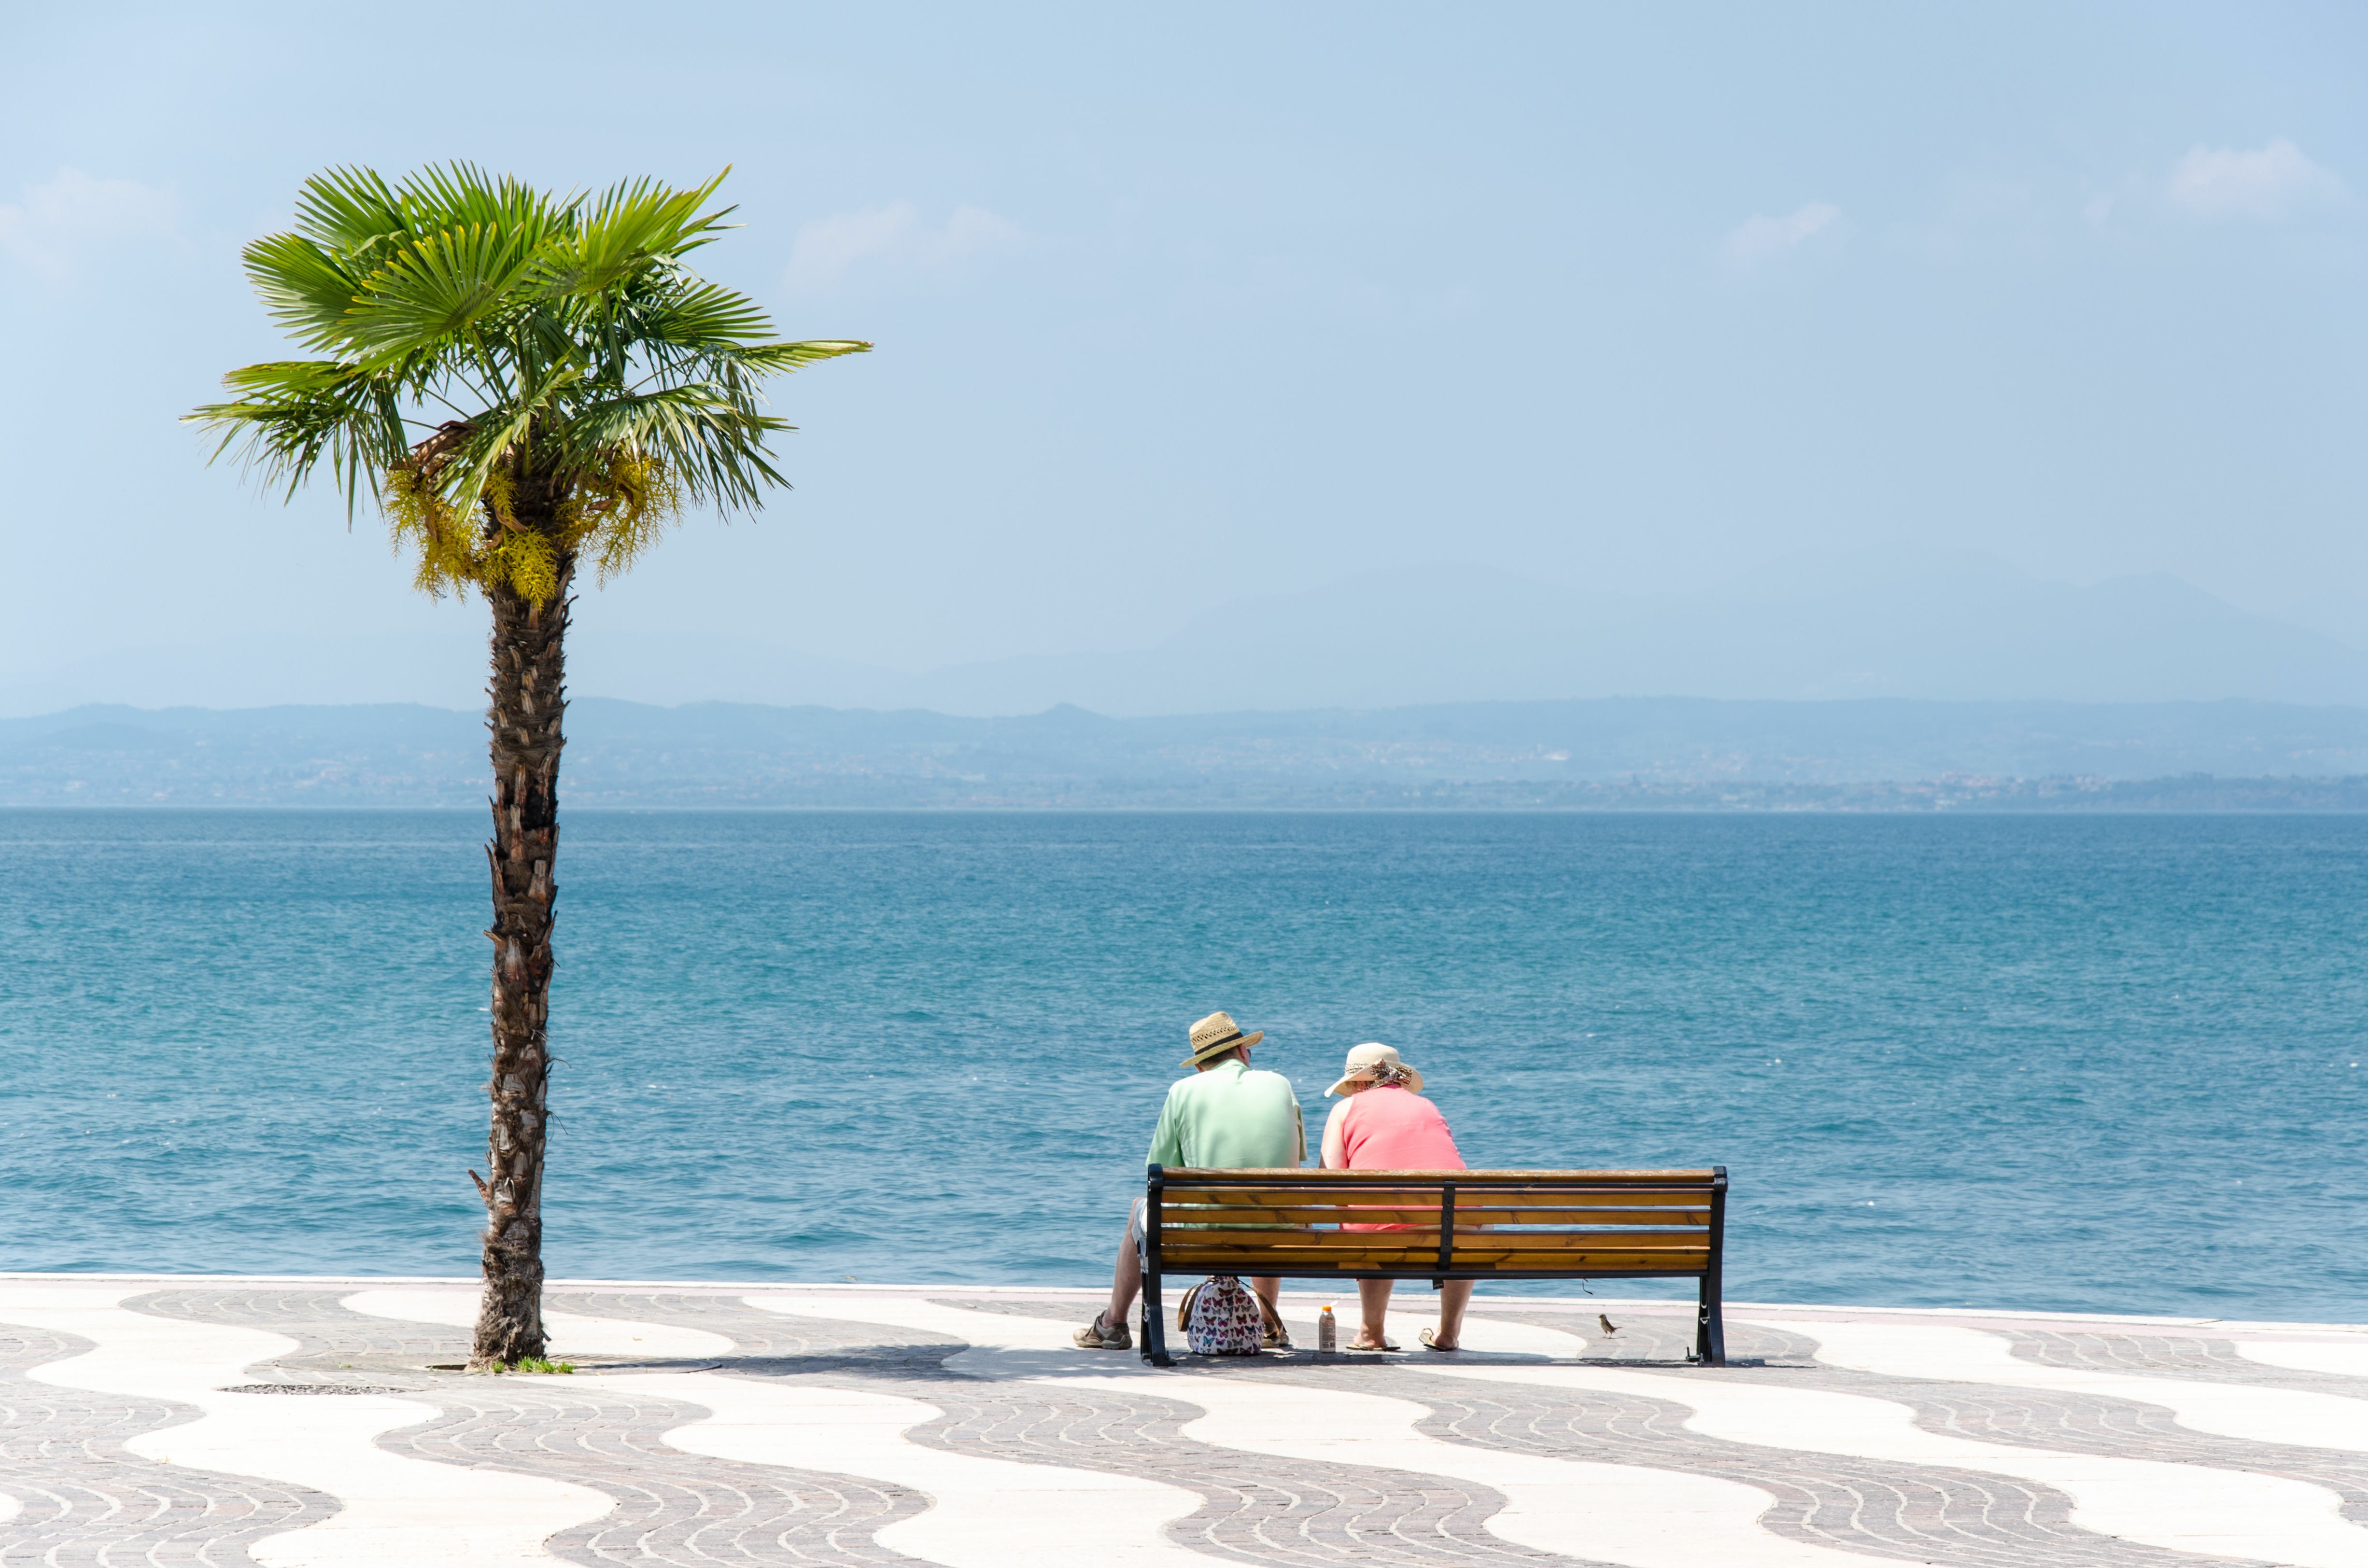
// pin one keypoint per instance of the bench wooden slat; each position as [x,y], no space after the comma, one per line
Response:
[1248,1242]
[1311,1182]
[1418,1261]
[1467,1216]
[1290,1192]
[1249,1234]
[1329,1214]
[1254,1176]
[1420,1198]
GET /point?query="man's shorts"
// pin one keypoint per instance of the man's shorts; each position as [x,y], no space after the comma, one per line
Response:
[1134,1222]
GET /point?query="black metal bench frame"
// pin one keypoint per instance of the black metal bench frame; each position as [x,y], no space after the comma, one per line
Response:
[1710,1326]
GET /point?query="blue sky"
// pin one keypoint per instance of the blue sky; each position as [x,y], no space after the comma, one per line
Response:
[1175,308]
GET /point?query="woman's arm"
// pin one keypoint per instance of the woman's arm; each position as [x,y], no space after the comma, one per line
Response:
[1335,1158]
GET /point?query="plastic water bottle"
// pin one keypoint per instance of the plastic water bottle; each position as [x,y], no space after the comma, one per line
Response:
[1327,1332]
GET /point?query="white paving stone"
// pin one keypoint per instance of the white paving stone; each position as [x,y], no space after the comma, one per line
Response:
[396,1512]
[1627,1514]
[571,1334]
[2178,1506]
[2345,1357]
[1969,1355]
[984,1513]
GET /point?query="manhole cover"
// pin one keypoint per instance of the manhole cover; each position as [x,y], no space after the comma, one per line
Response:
[314,1388]
[593,1367]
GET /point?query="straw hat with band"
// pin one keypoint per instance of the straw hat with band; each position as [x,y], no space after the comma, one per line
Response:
[1364,1058]
[1215,1035]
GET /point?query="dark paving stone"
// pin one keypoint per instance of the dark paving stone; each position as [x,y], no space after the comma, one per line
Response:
[2173,1355]
[88,1503]
[1254,1508]
[1911,1512]
[2076,1422]
[671,1508]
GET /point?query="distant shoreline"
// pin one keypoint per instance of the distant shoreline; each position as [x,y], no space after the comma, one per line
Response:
[1623,755]
[2046,797]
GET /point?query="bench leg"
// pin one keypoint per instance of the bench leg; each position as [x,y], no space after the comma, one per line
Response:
[1155,1326]
[1710,1325]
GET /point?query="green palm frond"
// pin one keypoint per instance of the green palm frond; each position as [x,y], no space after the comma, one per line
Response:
[700,316]
[710,441]
[307,289]
[777,358]
[286,417]
[630,225]
[350,212]
[516,377]
[439,286]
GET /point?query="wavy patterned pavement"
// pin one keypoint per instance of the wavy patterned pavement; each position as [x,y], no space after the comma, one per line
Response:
[1871,1504]
[1251,1508]
[72,1492]
[383,1507]
[1974,1381]
[2322,1365]
[1571,1509]
[296,1423]
[668,1505]
[2252,1412]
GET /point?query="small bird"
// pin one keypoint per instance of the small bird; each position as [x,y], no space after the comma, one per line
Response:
[1608,1329]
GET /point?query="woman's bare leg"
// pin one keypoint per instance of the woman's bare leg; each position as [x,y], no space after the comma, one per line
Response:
[1453,1297]
[1373,1302]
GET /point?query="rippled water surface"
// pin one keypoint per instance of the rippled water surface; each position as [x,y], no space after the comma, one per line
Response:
[2101,1062]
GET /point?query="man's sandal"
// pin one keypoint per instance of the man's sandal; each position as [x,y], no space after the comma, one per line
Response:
[1431,1343]
[1361,1347]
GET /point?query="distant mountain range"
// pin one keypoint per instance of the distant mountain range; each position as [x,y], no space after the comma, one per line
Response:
[1948,627]
[1666,752]
[1954,627]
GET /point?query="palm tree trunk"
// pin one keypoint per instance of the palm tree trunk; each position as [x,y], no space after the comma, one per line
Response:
[524,714]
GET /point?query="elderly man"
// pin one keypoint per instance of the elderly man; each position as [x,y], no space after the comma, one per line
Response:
[1224,1117]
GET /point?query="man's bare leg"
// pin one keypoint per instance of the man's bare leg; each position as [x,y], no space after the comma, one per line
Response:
[1126,1280]
[1373,1304]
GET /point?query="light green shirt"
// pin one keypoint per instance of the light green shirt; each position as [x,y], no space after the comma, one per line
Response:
[1229,1118]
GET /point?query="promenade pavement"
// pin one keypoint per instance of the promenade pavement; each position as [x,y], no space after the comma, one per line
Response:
[324,1424]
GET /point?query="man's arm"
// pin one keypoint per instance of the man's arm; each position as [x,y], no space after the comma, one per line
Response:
[1167,1138]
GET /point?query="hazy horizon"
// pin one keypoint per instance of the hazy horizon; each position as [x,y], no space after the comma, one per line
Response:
[1615,754]
[1929,625]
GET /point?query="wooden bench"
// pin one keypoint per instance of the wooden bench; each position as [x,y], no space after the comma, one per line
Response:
[1456,1225]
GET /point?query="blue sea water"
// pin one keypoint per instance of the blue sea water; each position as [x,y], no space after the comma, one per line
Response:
[2102,1063]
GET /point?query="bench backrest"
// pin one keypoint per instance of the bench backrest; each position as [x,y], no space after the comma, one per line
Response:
[1444,1224]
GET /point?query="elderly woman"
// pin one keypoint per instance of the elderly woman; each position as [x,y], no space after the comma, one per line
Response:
[1383,1123]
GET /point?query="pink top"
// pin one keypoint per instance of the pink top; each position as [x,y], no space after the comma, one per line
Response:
[1387,1127]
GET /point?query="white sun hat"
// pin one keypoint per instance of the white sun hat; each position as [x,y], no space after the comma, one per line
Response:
[1364,1058]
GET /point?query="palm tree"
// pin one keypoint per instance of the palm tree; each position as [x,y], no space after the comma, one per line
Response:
[523,383]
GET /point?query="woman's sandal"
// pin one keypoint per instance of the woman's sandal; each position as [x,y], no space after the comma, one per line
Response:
[1431,1343]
